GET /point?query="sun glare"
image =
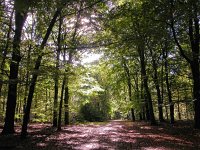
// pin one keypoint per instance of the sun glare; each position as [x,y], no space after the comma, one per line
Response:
[91,57]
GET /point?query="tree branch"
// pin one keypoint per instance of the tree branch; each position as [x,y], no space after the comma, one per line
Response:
[178,44]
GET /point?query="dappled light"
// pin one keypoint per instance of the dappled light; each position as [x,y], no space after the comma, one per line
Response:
[99,74]
[116,134]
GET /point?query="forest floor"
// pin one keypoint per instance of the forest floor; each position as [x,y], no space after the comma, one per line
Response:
[113,135]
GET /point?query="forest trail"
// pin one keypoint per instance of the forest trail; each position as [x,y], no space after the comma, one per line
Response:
[114,135]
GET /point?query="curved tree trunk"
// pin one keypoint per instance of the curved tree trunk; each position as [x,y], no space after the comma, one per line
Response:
[194,37]
[34,78]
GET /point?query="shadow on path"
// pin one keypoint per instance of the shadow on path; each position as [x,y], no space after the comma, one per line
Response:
[115,135]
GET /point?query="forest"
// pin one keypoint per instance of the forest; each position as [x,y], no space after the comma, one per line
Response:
[86,66]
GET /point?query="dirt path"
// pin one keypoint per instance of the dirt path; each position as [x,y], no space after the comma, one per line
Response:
[115,135]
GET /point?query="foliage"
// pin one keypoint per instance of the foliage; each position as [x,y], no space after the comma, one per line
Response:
[115,29]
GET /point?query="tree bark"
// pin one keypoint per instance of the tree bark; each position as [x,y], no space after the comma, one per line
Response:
[196,92]
[61,103]
[66,98]
[145,108]
[55,109]
[63,84]
[178,105]
[128,77]
[145,82]
[194,37]
[27,77]
[20,17]
[156,82]
[35,75]
[171,104]
[27,66]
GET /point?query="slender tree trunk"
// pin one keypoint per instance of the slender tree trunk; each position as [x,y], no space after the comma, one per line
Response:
[147,111]
[36,105]
[171,104]
[145,108]
[4,104]
[162,86]
[61,103]
[166,112]
[156,82]
[143,113]
[35,75]
[17,108]
[178,105]
[137,92]
[27,77]
[145,81]
[55,109]
[66,98]
[20,18]
[73,40]
[127,72]
[63,85]
[186,110]
[27,66]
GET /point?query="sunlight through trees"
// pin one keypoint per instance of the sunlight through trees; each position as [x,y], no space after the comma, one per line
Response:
[65,62]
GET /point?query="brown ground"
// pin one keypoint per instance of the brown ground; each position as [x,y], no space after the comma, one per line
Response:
[114,135]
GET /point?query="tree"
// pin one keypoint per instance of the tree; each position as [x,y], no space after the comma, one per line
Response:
[171,105]
[21,10]
[156,82]
[36,68]
[126,69]
[194,36]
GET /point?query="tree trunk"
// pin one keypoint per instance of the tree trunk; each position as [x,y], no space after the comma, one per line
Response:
[66,98]
[145,109]
[171,104]
[166,112]
[156,82]
[143,114]
[61,103]
[35,75]
[128,77]
[20,18]
[145,81]
[27,77]
[194,38]
[55,107]
[196,92]
[178,106]
[27,68]
[57,67]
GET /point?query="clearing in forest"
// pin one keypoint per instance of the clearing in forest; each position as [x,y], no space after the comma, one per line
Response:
[114,135]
